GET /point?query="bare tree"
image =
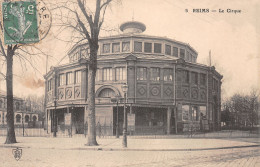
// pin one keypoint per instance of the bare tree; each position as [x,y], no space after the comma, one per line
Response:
[24,52]
[243,108]
[87,25]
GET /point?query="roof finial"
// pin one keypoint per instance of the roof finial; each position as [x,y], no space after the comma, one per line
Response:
[133,17]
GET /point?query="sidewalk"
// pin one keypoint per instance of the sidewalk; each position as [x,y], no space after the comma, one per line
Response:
[114,144]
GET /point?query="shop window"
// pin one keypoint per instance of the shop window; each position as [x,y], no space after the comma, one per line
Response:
[141,73]
[26,118]
[69,79]
[155,74]
[77,76]
[186,76]
[203,79]
[194,78]
[116,47]
[175,51]
[125,46]
[157,48]
[182,53]
[185,112]
[107,74]
[138,46]
[194,114]
[120,74]
[61,79]
[106,48]
[168,50]
[147,47]
[203,112]
[167,74]
[18,118]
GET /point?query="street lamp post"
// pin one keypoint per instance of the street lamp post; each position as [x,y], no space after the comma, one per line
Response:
[124,89]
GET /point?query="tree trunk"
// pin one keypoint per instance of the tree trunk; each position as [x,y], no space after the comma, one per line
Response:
[91,97]
[10,138]
[91,109]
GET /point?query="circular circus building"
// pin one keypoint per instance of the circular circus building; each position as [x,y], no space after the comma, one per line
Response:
[168,91]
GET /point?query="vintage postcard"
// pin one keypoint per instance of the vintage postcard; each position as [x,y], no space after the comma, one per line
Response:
[129,83]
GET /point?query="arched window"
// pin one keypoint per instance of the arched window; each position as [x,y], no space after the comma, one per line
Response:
[107,92]
[34,118]
[26,118]
[18,118]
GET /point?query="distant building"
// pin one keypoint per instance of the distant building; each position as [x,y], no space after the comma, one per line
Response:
[22,112]
[168,90]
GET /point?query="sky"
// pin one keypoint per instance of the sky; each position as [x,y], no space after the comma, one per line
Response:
[233,39]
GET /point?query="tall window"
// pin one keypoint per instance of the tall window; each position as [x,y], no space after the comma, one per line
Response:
[62,79]
[182,53]
[175,51]
[77,77]
[167,74]
[106,48]
[17,106]
[194,78]
[141,73]
[125,46]
[69,78]
[186,76]
[1,104]
[120,74]
[157,48]
[147,47]
[116,47]
[107,74]
[49,87]
[99,75]
[138,46]
[18,118]
[155,74]
[203,79]
[168,50]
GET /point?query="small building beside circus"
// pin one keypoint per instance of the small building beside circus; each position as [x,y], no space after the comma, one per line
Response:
[168,91]
[23,115]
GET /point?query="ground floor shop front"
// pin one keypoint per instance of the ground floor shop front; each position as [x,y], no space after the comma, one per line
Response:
[141,119]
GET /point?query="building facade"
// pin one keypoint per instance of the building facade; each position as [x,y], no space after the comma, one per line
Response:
[22,113]
[168,91]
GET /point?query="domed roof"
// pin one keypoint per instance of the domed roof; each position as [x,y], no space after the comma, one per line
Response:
[132,27]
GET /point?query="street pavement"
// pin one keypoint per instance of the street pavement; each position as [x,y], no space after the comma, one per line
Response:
[141,151]
[134,144]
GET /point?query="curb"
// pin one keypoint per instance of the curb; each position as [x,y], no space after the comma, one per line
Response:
[195,149]
[134,149]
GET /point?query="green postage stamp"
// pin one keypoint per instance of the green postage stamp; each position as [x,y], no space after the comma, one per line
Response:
[20,22]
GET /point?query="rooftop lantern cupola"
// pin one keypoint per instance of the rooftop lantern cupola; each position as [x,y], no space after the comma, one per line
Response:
[132,27]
